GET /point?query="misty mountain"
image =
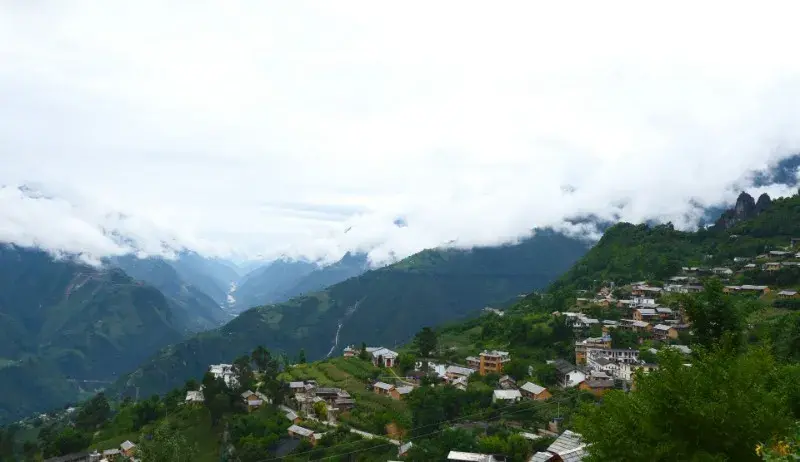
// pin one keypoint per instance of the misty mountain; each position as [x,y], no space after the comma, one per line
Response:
[381,306]
[282,280]
[196,311]
[212,276]
[63,322]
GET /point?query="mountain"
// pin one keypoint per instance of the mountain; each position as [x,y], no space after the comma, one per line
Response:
[629,252]
[64,322]
[212,276]
[267,284]
[382,306]
[282,280]
[196,310]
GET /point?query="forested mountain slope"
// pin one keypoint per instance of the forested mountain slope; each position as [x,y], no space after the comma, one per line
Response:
[64,320]
[196,311]
[384,306]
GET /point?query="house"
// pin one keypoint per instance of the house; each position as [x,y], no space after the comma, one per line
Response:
[384,357]
[665,313]
[786,293]
[693,288]
[350,351]
[664,332]
[535,392]
[291,416]
[296,431]
[593,342]
[344,404]
[224,372]
[111,454]
[460,383]
[568,375]
[492,361]
[507,383]
[506,395]
[401,392]
[722,271]
[127,448]
[644,314]
[473,362]
[297,387]
[254,399]
[749,266]
[568,447]
[382,388]
[771,266]
[747,288]
[473,457]
[193,397]
[74,457]
[635,326]
[455,372]
[778,254]
[625,355]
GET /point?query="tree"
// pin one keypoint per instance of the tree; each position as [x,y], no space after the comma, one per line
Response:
[146,411]
[426,341]
[93,413]
[301,357]
[624,339]
[218,406]
[517,368]
[166,445]
[321,409]
[265,362]
[517,448]
[70,440]
[714,316]
[717,409]
[243,371]
[546,375]
[363,353]
[406,362]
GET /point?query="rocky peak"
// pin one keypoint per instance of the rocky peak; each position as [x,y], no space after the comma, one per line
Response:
[763,203]
[746,207]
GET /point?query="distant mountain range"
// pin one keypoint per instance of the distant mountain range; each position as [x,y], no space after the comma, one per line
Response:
[281,280]
[384,306]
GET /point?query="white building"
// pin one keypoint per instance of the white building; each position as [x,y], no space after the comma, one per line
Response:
[224,372]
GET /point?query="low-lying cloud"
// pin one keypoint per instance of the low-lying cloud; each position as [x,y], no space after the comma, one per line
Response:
[254,130]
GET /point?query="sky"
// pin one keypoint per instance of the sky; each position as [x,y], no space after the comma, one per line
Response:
[307,129]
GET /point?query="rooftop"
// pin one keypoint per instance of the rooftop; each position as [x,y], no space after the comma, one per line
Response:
[531,387]
[507,394]
[302,431]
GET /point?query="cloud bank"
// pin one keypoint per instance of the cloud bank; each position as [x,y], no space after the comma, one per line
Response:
[254,130]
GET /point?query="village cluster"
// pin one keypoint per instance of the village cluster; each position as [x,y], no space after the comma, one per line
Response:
[597,368]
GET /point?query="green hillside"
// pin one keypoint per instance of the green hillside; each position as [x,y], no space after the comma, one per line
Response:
[385,306]
[628,252]
[64,323]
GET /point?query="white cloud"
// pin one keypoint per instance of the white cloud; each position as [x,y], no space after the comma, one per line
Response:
[253,129]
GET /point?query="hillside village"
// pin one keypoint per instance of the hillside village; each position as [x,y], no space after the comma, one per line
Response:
[646,316]
[512,383]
